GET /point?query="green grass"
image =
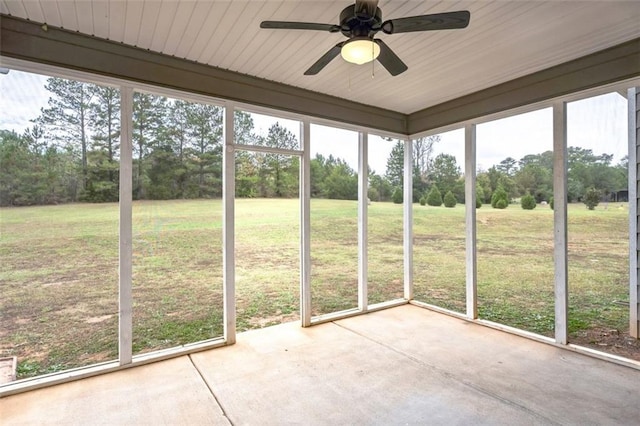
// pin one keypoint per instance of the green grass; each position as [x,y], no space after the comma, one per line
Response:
[59,272]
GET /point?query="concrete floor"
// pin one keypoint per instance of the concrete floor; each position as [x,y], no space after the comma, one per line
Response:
[405,365]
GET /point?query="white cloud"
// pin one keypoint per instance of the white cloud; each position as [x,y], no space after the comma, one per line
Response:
[21,97]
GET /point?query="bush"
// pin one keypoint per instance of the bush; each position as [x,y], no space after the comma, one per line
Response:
[373,194]
[479,195]
[397,196]
[423,200]
[450,200]
[434,198]
[499,194]
[592,198]
[478,203]
[551,203]
[501,204]
[528,202]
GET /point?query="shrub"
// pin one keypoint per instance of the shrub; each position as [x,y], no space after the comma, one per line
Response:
[450,200]
[501,204]
[478,203]
[592,198]
[434,198]
[499,194]
[373,194]
[551,203]
[479,195]
[397,196]
[423,200]
[528,202]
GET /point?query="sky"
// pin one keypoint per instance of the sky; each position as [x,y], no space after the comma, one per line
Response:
[598,123]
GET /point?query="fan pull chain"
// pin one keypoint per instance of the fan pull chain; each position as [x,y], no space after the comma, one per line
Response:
[373,67]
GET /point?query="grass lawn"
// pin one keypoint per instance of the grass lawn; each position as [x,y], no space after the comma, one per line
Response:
[59,272]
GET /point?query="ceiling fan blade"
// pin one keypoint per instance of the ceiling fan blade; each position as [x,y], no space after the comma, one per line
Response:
[284,25]
[390,60]
[325,59]
[438,21]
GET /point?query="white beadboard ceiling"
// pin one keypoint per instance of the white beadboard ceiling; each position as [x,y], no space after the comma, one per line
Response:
[505,40]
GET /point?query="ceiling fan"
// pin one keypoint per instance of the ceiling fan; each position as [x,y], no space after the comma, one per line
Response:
[360,23]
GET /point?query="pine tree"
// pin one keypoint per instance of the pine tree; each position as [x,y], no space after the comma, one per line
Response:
[445,172]
[176,137]
[499,195]
[242,127]
[528,202]
[205,142]
[434,198]
[450,199]
[278,169]
[67,117]
[395,166]
[148,114]
[102,164]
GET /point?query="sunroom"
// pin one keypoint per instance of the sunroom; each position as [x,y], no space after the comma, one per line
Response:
[173,183]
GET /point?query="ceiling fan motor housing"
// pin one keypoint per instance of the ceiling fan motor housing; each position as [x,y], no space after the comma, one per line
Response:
[359,24]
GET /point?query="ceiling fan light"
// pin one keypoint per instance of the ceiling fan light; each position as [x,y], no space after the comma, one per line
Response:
[360,51]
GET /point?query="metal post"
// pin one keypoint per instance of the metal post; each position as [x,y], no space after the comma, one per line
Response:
[305,225]
[560,221]
[633,98]
[125,314]
[363,183]
[470,217]
[228,228]
[408,219]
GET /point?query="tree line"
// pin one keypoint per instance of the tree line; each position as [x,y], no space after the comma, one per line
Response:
[530,175]
[71,154]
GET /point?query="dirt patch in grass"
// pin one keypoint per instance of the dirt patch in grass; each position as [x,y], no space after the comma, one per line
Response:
[609,340]
[278,318]
[95,320]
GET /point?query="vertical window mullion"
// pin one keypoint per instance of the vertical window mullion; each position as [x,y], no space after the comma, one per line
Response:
[363,183]
[228,227]
[125,314]
[633,95]
[560,221]
[471,226]
[408,219]
[305,224]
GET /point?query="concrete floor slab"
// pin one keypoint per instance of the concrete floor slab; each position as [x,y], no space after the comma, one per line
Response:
[165,393]
[556,384]
[329,375]
[405,365]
